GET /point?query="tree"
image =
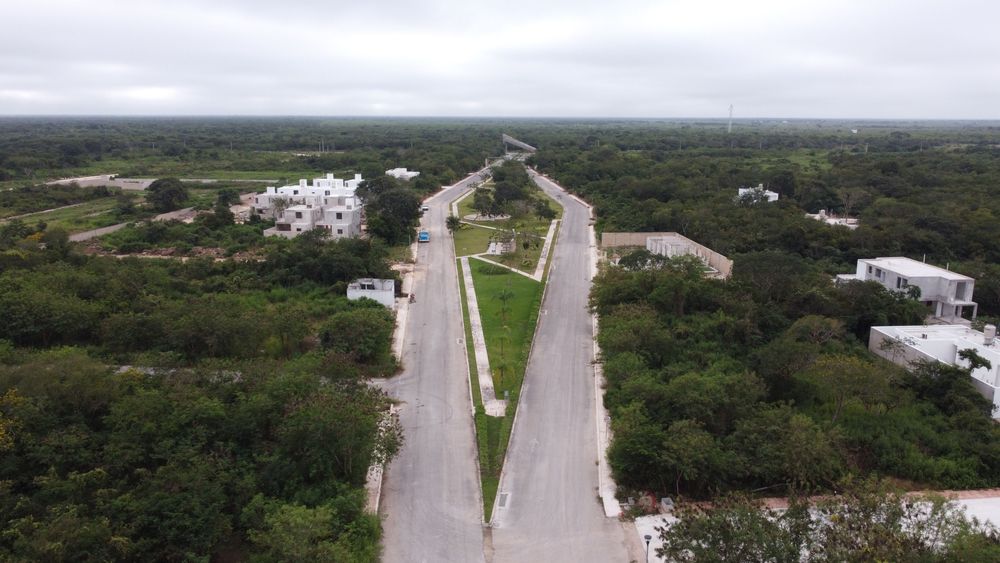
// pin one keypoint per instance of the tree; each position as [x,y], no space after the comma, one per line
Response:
[867,523]
[393,215]
[167,194]
[736,529]
[453,223]
[228,196]
[839,379]
[482,202]
[364,332]
[374,187]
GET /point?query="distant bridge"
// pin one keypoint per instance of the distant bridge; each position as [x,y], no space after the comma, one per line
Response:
[511,141]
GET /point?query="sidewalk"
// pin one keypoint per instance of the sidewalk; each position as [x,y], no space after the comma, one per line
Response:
[493,406]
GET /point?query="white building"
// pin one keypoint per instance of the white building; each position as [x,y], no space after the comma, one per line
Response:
[759,193]
[329,204]
[383,291]
[905,345]
[945,292]
[402,174]
[831,219]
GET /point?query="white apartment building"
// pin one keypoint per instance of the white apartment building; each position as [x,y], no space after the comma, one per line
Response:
[946,293]
[383,291]
[328,204]
[402,174]
[905,345]
[759,190]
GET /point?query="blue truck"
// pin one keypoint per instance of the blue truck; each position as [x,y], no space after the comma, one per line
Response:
[423,236]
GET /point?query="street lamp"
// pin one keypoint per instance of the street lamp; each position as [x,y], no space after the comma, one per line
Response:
[647,537]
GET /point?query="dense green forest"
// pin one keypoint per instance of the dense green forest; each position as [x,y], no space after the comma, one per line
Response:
[36,149]
[161,410]
[763,382]
[214,407]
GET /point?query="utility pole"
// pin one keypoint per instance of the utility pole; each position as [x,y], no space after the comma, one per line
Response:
[730,130]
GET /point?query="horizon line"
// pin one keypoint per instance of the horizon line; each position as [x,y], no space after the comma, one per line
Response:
[486,117]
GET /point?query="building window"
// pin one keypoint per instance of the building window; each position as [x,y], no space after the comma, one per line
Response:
[284,227]
[298,214]
[340,231]
[297,230]
[869,269]
[327,192]
[340,215]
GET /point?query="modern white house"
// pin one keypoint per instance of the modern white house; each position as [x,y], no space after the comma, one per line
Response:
[834,220]
[946,293]
[402,174]
[905,345]
[759,192]
[328,204]
[383,291]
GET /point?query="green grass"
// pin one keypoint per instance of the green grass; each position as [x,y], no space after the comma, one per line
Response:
[513,336]
[489,471]
[493,433]
[472,240]
[90,215]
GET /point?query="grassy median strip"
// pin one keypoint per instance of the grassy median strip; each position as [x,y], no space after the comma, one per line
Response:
[508,305]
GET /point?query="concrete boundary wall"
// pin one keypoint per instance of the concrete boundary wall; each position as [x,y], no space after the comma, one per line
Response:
[718,262]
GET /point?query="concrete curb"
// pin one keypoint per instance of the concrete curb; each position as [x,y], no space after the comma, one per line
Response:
[487,392]
[376,472]
[454,203]
[481,258]
[468,382]
[605,482]
[403,308]
[524,382]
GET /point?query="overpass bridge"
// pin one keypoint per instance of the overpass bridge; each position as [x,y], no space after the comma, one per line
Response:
[511,141]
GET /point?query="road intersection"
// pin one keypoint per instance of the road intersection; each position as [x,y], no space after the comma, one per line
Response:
[548,508]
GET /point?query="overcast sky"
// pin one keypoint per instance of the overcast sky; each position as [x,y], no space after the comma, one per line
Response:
[614,58]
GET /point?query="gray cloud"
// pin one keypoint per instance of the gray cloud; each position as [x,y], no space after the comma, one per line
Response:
[630,58]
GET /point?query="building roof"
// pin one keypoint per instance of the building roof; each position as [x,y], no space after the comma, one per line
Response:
[376,283]
[914,268]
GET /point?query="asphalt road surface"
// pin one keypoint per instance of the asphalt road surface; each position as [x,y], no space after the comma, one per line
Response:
[431,498]
[552,511]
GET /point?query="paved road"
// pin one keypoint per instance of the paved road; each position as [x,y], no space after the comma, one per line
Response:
[169,216]
[87,235]
[552,510]
[432,503]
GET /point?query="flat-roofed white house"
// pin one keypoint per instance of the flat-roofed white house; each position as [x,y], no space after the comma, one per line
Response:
[383,291]
[758,193]
[947,293]
[402,174]
[328,204]
[905,345]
